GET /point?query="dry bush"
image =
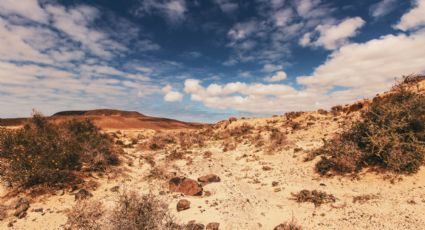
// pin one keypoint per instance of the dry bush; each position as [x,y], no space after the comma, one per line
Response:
[316,197]
[290,225]
[175,155]
[390,136]
[189,139]
[240,131]
[277,140]
[142,213]
[46,153]
[293,115]
[364,198]
[160,141]
[85,215]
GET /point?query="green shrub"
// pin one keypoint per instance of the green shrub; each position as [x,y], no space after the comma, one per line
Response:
[46,153]
[390,136]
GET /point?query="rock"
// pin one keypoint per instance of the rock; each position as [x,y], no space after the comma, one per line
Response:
[38,210]
[194,226]
[7,184]
[210,178]
[267,168]
[21,207]
[82,194]
[183,205]
[115,188]
[3,212]
[213,226]
[275,183]
[207,193]
[186,186]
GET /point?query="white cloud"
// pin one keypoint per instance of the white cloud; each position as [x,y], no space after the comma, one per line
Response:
[30,9]
[170,95]
[305,7]
[173,10]
[227,6]
[413,19]
[279,76]
[333,36]
[382,8]
[242,30]
[283,17]
[353,72]
[373,64]
[271,67]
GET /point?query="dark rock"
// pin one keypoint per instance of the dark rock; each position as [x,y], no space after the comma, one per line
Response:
[115,188]
[194,226]
[183,205]
[210,178]
[82,194]
[21,207]
[213,226]
[186,186]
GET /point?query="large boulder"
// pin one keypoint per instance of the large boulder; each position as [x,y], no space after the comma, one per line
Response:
[210,178]
[186,186]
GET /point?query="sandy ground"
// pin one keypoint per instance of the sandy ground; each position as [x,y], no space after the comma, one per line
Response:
[245,197]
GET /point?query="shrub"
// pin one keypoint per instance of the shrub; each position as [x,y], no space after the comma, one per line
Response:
[316,197]
[141,212]
[85,215]
[390,136]
[291,225]
[46,153]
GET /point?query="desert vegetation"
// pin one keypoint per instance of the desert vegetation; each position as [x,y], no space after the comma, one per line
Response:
[43,152]
[390,136]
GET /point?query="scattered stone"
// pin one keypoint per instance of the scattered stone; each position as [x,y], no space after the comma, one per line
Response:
[7,184]
[38,210]
[183,205]
[60,192]
[277,189]
[207,193]
[210,178]
[267,168]
[186,186]
[21,207]
[194,226]
[82,194]
[213,226]
[115,188]
[275,183]
[3,212]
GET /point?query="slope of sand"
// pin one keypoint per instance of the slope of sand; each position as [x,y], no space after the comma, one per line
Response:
[245,197]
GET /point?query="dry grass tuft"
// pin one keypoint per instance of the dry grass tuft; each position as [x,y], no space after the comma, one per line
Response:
[141,212]
[316,197]
[85,215]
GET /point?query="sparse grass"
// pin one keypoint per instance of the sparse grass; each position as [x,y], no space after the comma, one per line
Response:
[316,197]
[364,198]
[390,136]
[144,212]
[85,215]
[290,225]
[46,153]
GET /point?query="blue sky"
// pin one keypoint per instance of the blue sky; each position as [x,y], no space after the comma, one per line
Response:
[204,60]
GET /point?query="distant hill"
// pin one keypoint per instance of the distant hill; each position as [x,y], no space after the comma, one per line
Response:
[100,112]
[112,119]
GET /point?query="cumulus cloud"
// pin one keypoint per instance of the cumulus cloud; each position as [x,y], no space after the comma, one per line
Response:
[413,19]
[170,95]
[279,76]
[333,36]
[355,71]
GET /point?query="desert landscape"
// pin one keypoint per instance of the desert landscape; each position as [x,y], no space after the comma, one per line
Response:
[212,115]
[246,173]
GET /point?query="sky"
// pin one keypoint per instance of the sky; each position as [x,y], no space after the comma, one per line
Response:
[204,60]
